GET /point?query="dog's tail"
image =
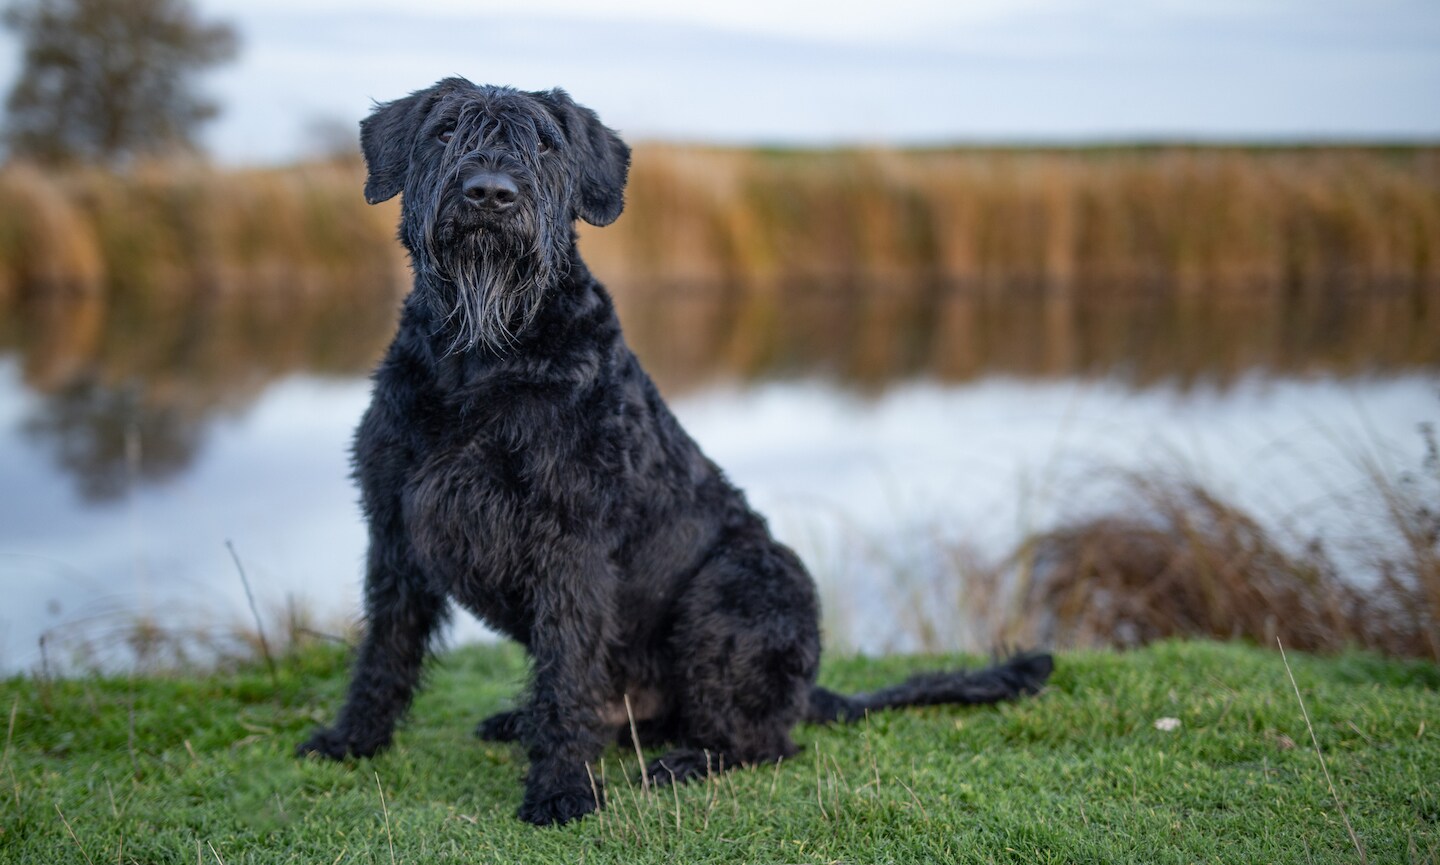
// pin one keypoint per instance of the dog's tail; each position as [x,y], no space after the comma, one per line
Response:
[1014,677]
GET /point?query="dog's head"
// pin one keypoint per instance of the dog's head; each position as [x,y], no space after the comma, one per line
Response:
[492,179]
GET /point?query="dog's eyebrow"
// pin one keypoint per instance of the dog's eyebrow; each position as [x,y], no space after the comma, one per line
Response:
[501,123]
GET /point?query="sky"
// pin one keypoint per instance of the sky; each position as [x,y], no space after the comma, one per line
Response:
[844,71]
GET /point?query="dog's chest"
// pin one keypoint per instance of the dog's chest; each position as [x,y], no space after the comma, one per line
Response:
[502,474]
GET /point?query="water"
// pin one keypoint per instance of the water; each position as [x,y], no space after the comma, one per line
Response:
[125,474]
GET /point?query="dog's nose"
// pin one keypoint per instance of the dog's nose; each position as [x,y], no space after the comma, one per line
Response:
[492,190]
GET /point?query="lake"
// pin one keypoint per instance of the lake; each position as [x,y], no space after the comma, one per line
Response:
[881,434]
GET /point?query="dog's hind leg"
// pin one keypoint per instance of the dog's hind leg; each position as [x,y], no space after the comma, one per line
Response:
[747,649]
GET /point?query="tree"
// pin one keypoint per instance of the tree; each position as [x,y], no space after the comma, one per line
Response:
[105,80]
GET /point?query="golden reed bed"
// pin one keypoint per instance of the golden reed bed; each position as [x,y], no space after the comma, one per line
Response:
[1242,221]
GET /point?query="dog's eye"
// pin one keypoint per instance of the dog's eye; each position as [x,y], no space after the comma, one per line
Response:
[444,135]
[543,146]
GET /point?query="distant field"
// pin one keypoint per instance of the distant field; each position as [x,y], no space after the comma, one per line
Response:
[1247,221]
[198,768]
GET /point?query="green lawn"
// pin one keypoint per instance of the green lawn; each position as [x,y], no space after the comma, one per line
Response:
[184,770]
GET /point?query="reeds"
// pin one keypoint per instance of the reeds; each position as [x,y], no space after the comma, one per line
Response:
[1159,554]
[1248,222]
[1244,221]
[1169,262]
[192,279]
[191,228]
[1174,559]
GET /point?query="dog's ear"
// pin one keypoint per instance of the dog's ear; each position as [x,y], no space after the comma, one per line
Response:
[601,159]
[387,138]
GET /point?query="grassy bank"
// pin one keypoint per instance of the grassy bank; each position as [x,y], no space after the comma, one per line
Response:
[1159,219]
[198,768]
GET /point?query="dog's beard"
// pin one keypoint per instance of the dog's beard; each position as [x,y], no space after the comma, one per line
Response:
[490,284]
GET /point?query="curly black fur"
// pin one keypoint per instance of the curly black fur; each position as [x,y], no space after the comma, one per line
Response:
[517,460]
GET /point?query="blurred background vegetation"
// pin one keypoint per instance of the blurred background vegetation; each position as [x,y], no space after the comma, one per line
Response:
[109,80]
[144,289]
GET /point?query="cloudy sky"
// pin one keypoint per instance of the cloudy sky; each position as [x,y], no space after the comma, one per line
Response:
[855,71]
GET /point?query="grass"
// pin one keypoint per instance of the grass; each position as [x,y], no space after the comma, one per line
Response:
[197,768]
[186,766]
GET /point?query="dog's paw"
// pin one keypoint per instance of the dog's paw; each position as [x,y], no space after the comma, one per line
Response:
[683,765]
[334,744]
[546,808]
[500,727]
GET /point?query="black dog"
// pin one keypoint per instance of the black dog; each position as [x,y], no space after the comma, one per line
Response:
[516,458]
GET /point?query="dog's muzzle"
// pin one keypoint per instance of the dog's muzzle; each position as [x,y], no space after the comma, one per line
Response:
[491,192]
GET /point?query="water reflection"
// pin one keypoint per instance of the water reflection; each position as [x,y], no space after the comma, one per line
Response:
[129,386]
[131,382]
[95,433]
[871,337]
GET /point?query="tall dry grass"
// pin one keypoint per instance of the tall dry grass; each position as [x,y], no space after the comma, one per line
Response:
[1170,218]
[1175,559]
[163,230]
[1160,554]
[1249,222]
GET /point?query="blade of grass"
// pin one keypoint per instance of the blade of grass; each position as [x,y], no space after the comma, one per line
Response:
[1340,806]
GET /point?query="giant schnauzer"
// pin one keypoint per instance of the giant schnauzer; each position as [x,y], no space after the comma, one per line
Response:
[516,459]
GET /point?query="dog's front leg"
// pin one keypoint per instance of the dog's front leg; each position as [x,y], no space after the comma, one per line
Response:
[402,616]
[563,726]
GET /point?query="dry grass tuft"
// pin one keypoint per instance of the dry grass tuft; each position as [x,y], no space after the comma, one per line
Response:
[1177,560]
[181,641]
